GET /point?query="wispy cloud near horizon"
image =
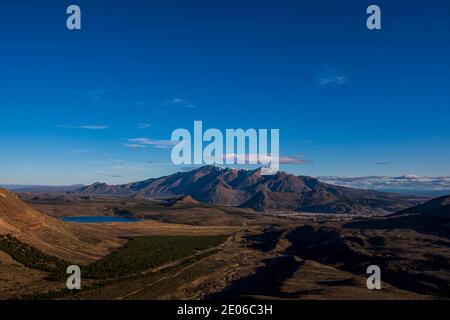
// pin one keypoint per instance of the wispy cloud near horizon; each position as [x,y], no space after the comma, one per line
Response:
[399,183]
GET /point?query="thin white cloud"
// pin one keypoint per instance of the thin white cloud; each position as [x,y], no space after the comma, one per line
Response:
[137,143]
[93,127]
[163,146]
[87,127]
[330,77]
[143,126]
[332,81]
[152,142]
[177,102]
[134,145]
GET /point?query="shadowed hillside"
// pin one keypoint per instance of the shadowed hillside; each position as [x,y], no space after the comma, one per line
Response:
[431,217]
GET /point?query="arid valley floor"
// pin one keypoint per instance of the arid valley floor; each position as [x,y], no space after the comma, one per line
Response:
[270,255]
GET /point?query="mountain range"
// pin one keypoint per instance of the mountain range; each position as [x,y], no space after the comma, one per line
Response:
[251,189]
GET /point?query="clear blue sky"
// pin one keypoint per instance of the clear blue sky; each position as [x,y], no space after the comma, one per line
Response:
[348,100]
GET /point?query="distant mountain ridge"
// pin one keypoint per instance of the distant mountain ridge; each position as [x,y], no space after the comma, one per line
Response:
[40,188]
[250,189]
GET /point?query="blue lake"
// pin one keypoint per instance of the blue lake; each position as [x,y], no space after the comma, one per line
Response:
[98,219]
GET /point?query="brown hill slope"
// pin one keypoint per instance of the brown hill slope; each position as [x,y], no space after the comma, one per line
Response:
[48,234]
[179,202]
